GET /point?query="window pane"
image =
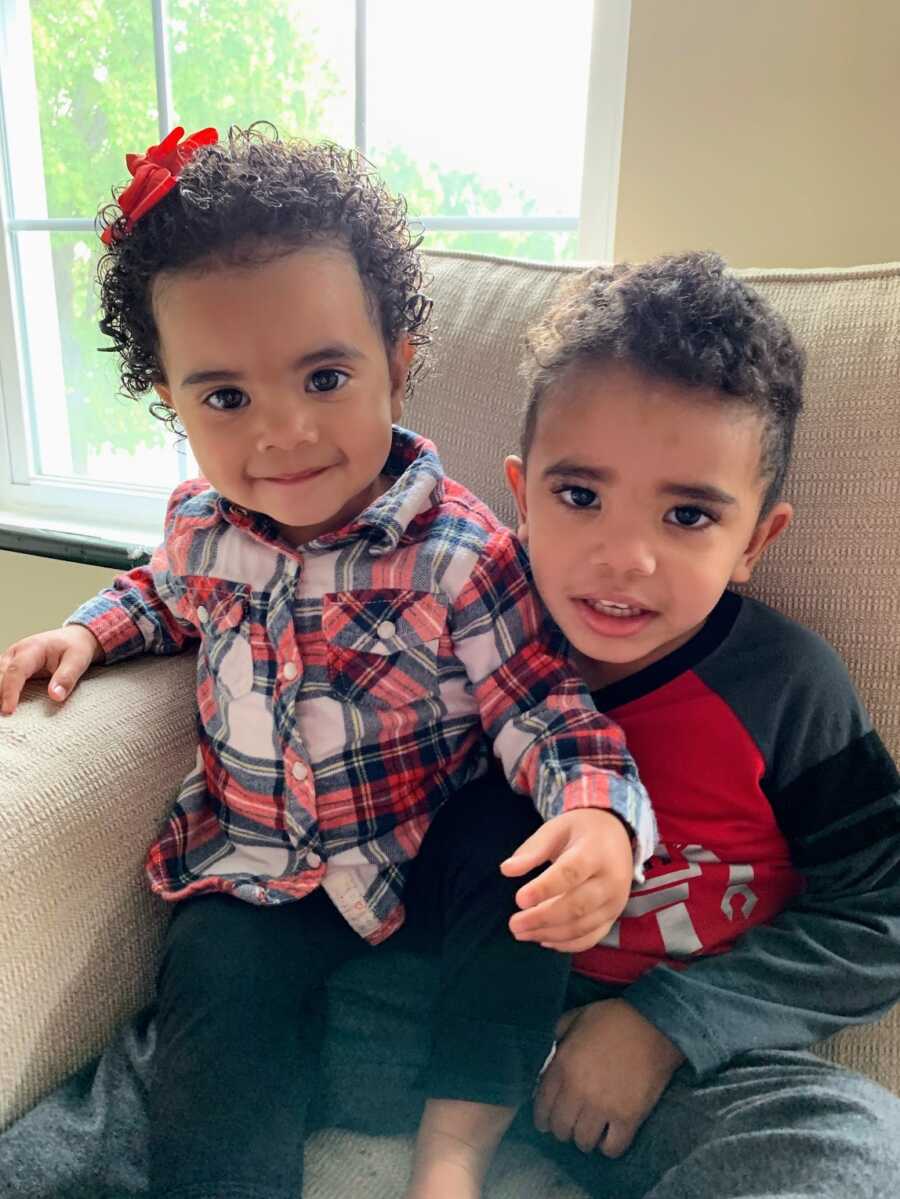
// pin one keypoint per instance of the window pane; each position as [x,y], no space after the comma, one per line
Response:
[481,111]
[80,425]
[286,61]
[545,246]
[93,64]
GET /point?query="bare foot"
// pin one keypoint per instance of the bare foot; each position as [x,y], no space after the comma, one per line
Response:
[454,1148]
[446,1168]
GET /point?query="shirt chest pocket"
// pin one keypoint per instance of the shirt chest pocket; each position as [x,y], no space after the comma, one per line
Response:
[382,647]
[220,610]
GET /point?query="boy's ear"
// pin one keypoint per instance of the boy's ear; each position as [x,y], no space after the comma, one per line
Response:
[399,362]
[515,478]
[767,530]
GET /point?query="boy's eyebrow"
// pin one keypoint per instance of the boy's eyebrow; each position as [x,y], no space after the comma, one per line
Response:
[568,469]
[338,350]
[565,468]
[697,491]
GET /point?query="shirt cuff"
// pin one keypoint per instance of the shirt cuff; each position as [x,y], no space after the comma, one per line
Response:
[624,797]
[657,996]
[119,635]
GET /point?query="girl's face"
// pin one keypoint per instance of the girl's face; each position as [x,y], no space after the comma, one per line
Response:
[283,385]
[640,505]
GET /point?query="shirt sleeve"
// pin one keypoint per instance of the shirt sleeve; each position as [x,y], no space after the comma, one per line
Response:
[552,742]
[831,959]
[140,613]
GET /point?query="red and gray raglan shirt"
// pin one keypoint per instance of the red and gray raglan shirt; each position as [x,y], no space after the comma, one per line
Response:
[345,688]
[770,913]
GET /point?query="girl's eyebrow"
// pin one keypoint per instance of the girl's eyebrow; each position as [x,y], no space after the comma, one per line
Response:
[326,353]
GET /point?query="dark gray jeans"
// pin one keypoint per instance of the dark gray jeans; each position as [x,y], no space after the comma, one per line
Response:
[773,1124]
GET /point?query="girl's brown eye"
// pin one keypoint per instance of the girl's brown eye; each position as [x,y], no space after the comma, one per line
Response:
[329,379]
[227,399]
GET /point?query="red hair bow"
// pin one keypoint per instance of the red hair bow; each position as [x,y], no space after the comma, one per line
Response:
[154,174]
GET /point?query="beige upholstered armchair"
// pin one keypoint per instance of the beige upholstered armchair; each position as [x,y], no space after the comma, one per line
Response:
[83,788]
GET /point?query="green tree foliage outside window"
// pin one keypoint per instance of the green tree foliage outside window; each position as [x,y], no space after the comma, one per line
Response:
[232,61]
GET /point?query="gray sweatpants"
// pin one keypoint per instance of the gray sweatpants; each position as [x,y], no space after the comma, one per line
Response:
[774,1123]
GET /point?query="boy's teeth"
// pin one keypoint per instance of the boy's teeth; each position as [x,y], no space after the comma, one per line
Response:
[611,609]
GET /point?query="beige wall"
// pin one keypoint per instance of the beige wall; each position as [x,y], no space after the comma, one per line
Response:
[39,593]
[765,129]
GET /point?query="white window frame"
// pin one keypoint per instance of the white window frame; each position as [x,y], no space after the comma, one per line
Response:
[54,501]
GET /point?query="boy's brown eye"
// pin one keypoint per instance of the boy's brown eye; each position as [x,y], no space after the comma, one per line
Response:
[577,497]
[689,517]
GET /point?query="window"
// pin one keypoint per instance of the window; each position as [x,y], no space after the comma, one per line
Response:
[477,113]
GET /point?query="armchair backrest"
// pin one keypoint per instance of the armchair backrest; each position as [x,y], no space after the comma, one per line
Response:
[836,570]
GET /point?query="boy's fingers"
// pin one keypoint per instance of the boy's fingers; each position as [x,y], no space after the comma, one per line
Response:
[565,1022]
[547,1091]
[565,1112]
[589,1129]
[619,1135]
[542,845]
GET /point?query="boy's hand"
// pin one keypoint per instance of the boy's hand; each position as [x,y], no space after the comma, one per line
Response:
[64,654]
[576,901]
[609,1070]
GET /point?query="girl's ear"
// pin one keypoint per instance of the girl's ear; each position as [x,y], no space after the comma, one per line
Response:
[515,478]
[399,362]
[767,530]
[164,394]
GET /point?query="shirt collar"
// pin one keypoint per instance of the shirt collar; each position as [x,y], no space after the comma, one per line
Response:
[418,487]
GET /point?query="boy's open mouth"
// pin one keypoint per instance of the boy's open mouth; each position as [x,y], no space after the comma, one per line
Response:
[612,618]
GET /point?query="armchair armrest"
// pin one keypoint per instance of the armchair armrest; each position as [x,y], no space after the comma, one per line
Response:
[83,789]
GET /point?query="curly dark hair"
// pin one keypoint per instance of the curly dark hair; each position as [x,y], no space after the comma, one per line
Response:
[684,318]
[246,199]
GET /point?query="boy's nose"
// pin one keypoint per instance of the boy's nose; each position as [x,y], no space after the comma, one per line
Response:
[624,554]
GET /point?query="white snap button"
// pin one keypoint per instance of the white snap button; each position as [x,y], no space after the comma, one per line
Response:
[386,630]
[299,771]
[290,670]
[202,614]
[313,861]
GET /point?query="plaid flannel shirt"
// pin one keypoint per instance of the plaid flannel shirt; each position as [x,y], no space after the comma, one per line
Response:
[344,688]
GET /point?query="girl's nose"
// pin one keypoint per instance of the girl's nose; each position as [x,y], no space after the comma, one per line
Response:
[285,425]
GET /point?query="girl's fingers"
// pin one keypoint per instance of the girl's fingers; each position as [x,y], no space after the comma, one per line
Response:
[567,872]
[541,846]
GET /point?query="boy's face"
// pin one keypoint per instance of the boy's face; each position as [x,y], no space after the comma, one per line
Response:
[282,383]
[639,505]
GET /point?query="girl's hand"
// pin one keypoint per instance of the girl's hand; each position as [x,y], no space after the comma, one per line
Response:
[576,901]
[64,654]
[609,1070]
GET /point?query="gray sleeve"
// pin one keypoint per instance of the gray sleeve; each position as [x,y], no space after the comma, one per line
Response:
[830,960]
